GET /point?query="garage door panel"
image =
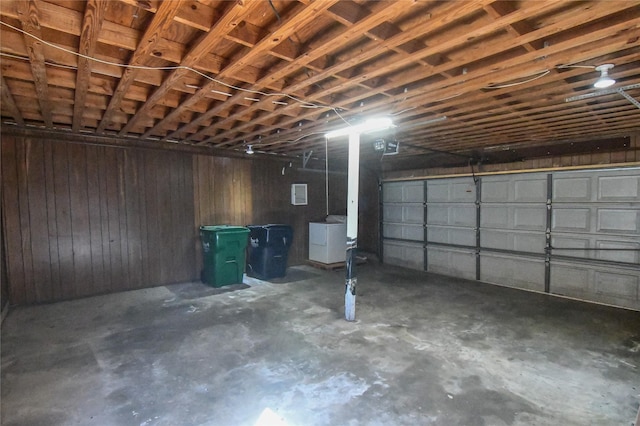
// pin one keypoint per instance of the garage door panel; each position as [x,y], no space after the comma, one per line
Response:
[448,235]
[522,216]
[571,219]
[619,220]
[407,213]
[408,255]
[403,192]
[450,214]
[530,242]
[531,188]
[618,188]
[616,249]
[597,219]
[458,190]
[403,231]
[615,286]
[594,186]
[454,262]
[513,271]
[572,189]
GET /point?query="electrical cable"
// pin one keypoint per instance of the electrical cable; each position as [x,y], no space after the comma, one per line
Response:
[303,103]
[503,86]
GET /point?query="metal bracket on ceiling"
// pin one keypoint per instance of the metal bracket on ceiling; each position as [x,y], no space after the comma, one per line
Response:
[305,158]
[620,90]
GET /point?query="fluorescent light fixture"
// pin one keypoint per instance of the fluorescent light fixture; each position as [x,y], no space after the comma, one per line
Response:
[192,86]
[279,103]
[604,81]
[221,93]
[252,99]
[368,126]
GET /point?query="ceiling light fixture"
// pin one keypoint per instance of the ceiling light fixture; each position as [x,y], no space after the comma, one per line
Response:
[249,149]
[604,81]
[252,99]
[368,126]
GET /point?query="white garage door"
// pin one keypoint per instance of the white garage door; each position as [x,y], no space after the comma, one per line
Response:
[595,236]
[570,233]
[403,224]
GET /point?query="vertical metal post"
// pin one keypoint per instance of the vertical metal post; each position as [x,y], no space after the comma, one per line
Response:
[353,176]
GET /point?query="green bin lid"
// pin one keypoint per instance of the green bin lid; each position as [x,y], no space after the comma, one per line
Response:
[223,228]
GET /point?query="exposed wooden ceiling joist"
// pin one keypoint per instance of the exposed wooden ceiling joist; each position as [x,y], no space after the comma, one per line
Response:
[279,74]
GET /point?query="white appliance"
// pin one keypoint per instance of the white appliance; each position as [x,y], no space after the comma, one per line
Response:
[327,242]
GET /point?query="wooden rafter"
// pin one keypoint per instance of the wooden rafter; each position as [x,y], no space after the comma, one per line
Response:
[494,68]
[10,103]
[222,27]
[161,22]
[91,26]
[28,14]
[285,30]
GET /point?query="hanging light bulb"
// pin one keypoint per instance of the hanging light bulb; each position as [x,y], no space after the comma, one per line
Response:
[249,149]
[604,80]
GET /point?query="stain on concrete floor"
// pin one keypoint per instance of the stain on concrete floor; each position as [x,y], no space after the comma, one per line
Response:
[425,349]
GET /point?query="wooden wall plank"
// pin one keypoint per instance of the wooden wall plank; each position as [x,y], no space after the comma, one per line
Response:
[64,237]
[38,223]
[80,227]
[102,192]
[22,157]
[11,211]
[94,205]
[132,208]
[56,285]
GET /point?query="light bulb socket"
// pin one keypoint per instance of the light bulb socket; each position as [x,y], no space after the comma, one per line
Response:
[604,80]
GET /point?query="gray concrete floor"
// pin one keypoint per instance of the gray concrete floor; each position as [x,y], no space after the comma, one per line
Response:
[425,350]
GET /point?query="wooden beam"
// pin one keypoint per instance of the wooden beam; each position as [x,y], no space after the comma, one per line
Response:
[10,103]
[159,25]
[285,30]
[91,26]
[29,19]
[231,19]
[501,8]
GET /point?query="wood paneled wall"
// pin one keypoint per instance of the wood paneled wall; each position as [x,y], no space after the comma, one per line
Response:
[83,219]
[4,282]
[222,195]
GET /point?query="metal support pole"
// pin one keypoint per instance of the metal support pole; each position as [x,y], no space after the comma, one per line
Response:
[352,227]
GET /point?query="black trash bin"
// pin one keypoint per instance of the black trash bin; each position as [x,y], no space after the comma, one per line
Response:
[268,250]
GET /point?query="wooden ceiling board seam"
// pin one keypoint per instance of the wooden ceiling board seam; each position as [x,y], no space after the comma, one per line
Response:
[161,21]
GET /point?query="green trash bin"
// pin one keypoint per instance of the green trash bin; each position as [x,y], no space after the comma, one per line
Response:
[223,250]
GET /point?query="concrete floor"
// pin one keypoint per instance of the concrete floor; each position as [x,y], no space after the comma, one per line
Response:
[425,350]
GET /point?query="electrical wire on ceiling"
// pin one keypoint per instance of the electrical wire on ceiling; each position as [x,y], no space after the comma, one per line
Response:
[504,86]
[303,103]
